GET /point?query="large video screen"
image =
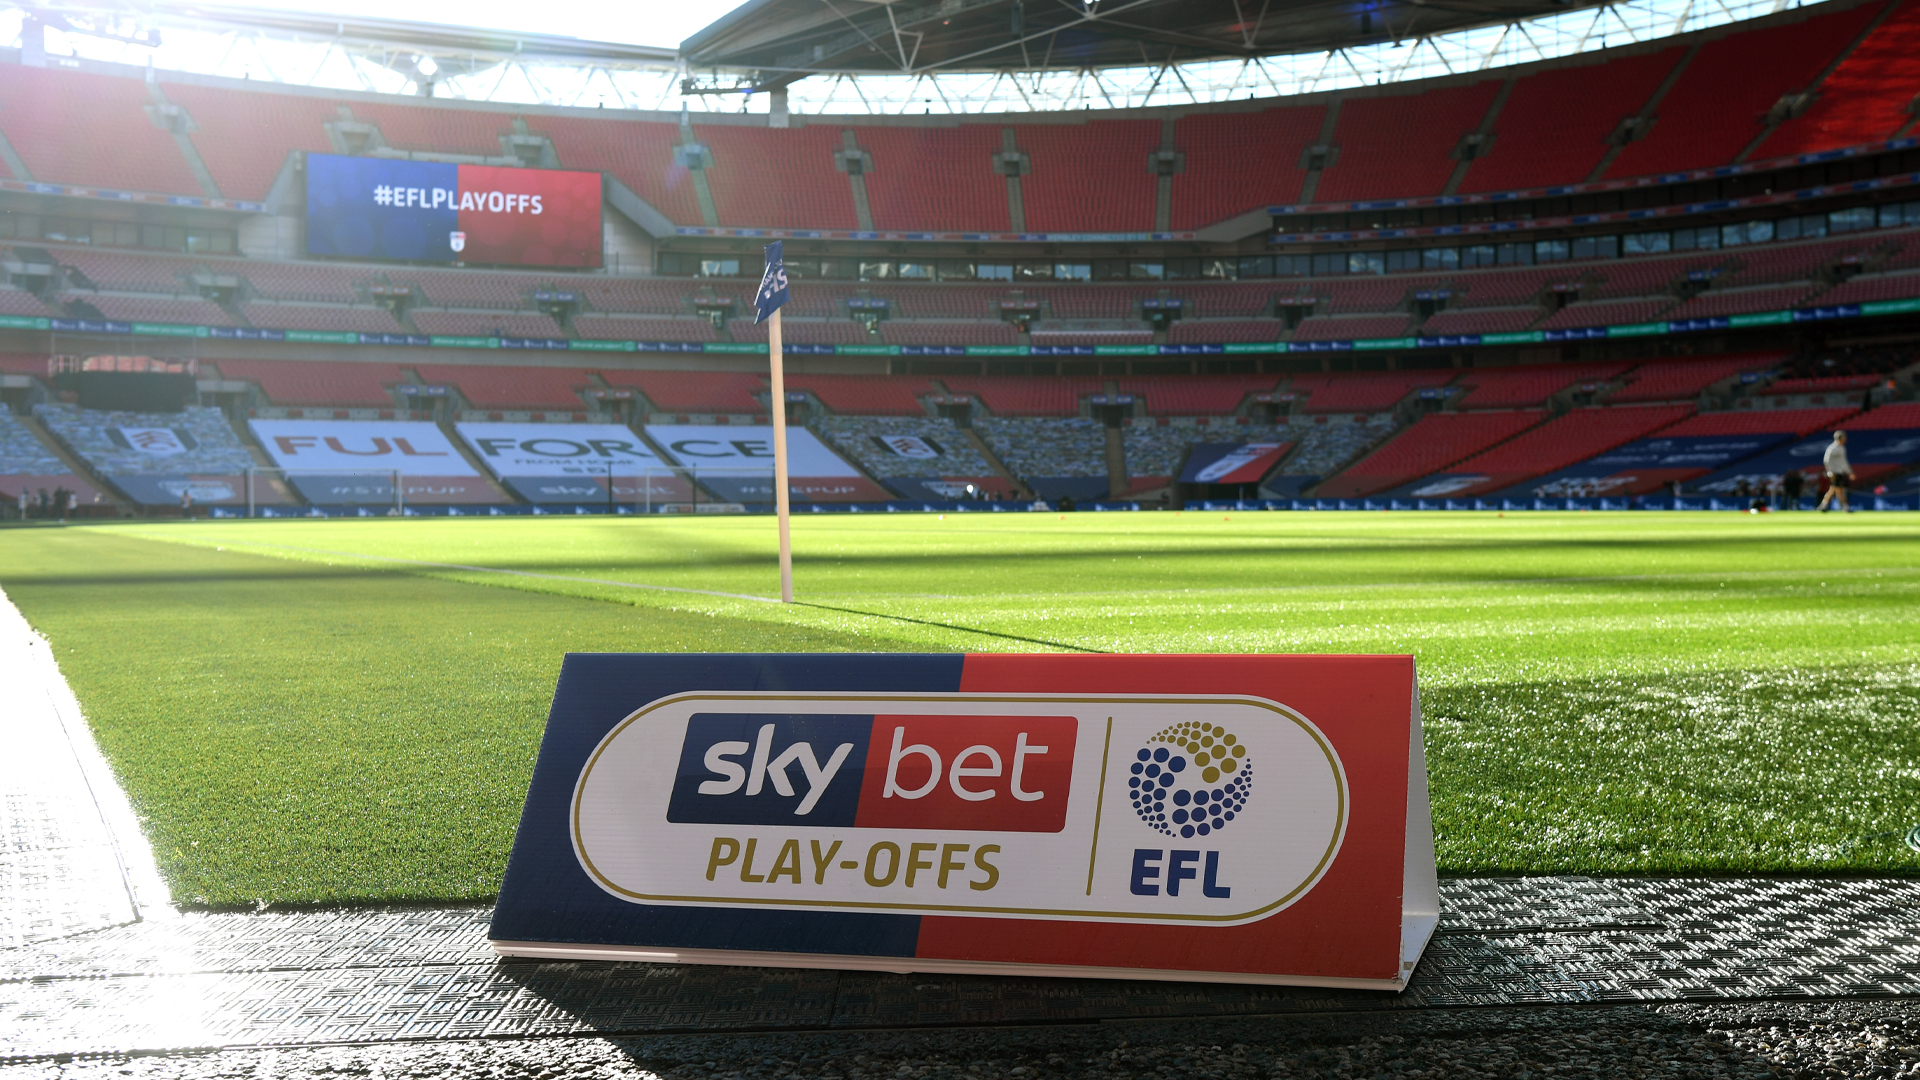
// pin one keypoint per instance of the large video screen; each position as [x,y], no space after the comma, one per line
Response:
[430,211]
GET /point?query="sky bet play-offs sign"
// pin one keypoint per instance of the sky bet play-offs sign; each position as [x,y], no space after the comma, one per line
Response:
[573,463]
[1258,819]
[352,462]
[427,211]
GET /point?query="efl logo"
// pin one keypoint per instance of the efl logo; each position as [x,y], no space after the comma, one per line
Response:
[1003,773]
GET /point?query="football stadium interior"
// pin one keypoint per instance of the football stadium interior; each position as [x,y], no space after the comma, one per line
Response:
[359,376]
[1523,282]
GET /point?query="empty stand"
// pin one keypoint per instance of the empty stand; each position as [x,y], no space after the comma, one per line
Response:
[1367,293]
[1223,330]
[780,179]
[638,153]
[1865,99]
[1648,276]
[1532,384]
[1480,321]
[1236,162]
[1565,440]
[1609,312]
[1799,262]
[512,387]
[1351,327]
[138,273]
[19,302]
[1554,126]
[869,395]
[1506,288]
[1741,301]
[466,288]
[48,107]
[1363,392]
[1402,144]
[1084,176]
[318,382]
[1720,102]
[157,310]
[1870,287]
[935,178]
[1824,384]
[324,282]
[244,136]
[615,328]
[948,333]
[448,129]
[1226,300]
[1760,422]
[804,331]
[483,324]
[1902,415]
[357,320]
[1429,445]
[1673,380]
[1203,395]
[694,391]
[1095,338]
[1026,397]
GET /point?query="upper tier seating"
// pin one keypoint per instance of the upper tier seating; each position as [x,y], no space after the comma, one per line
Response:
[1191,395]
[1401,144]
[1865,99]
[1568,439]
[363,319]
[156,310]
[21,454]
[1630,310]
[638,153]
[78,127]
[1370,391]
[1553,128]
[610,328]
[1092,337]
[1240,161]
[938,179]
[512,387]
[1226,299]
[318,382]
[1507,287]
[1367,293]
[1008,396]
[1870,287]
[1033,446]
[769,178]
[803,331]
[1719,104]
[948,333]
[485,324]
[1740,301]
[1902,415]
[19,302]
[1083,179]
[1674,380]
[1533,384]
[1351,327]
[1480,321]
[244,138]
[89,433]
[465,288]
[1430,445]
[1220,330]
[855,438]
[448,128]
[1823,384]
[1648,276]
[1759,421]
[724,392]
[872,395]
[323,282]
[143,272]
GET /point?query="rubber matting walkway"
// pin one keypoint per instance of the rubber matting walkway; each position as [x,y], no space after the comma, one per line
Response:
[377,976]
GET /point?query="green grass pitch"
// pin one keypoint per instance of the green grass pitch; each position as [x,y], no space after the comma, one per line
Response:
[347,711]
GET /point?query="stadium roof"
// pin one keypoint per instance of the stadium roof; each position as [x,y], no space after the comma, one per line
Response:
[786,40]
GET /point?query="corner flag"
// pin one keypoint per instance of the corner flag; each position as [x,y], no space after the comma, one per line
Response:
[766,308]
[773,286]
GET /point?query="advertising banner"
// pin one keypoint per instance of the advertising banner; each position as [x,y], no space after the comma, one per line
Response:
[1640,467]
[736,463]
[429,211]
[149,489]
[1872,453]
[1258,819]
[12,484]
[353,461]
[1232,463]
[572,463]
[946,488]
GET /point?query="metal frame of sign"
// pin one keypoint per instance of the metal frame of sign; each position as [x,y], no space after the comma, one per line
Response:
[1250,819]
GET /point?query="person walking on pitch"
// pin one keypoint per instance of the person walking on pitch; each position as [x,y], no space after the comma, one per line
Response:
[1839,472]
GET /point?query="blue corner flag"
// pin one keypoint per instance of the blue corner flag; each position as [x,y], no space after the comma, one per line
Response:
[773,286]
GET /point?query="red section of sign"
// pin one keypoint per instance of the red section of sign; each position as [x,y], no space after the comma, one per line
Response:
[1007,773]
[1347,926]
[536,217]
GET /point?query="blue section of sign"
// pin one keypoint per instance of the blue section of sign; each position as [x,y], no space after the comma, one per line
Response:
[547,896]
[766,769]
[1893,447]
[380,208]
[1702,452]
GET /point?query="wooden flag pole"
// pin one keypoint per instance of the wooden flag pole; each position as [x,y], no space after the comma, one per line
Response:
[780,491]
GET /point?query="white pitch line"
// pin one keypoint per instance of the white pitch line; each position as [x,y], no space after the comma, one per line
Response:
[498,570]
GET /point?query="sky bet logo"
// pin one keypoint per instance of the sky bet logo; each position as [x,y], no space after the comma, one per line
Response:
[1001,773]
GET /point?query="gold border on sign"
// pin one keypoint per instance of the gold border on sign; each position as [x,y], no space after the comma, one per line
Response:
[1313,731]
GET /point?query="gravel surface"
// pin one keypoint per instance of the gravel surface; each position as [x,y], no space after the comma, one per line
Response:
[1767,1039]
